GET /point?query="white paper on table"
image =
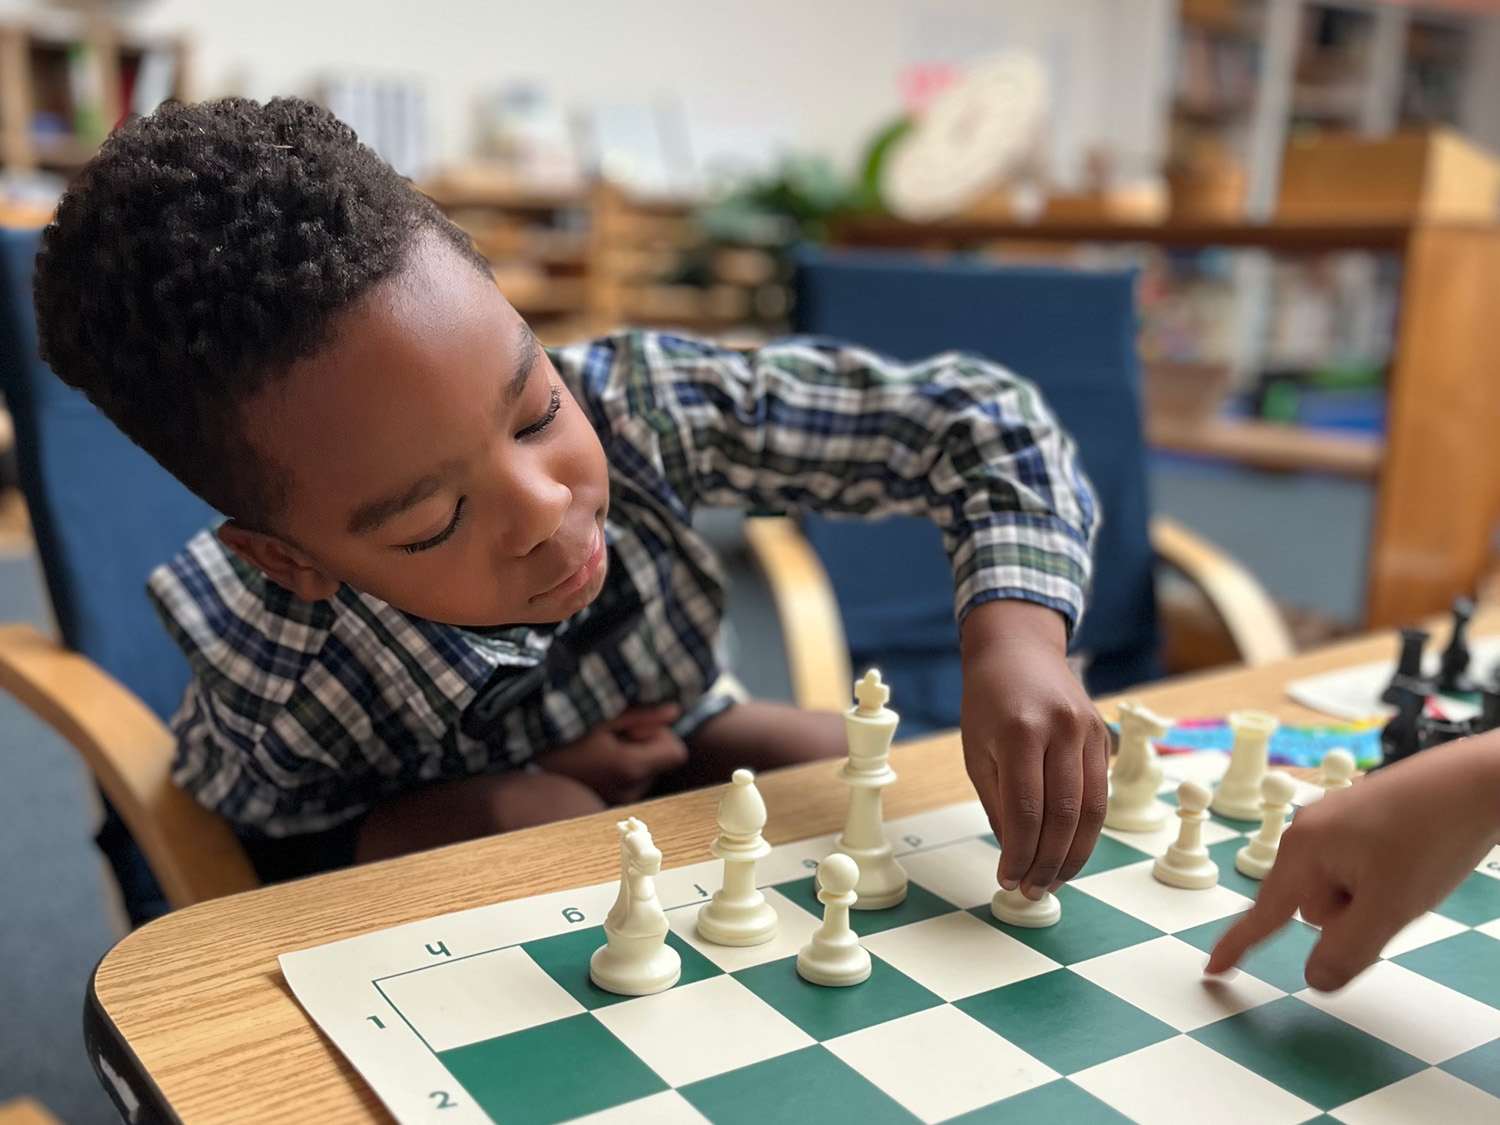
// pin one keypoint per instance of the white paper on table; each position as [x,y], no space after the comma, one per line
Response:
[1353,694]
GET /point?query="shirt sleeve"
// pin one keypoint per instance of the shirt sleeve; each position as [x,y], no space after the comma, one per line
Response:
[840,430]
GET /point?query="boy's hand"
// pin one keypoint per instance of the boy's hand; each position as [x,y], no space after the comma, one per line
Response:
[1363,862]
[621,759]
[1035,748]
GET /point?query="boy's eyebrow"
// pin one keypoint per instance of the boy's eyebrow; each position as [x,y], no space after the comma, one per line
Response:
[371,516]
[526,355]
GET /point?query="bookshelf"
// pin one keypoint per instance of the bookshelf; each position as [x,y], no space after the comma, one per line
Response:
[65,85]
[582,262]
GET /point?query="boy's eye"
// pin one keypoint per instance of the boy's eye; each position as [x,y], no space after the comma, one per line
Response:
[441,537]
[554,404]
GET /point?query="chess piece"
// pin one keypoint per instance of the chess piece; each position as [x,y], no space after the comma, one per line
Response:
[1453,670]
[1186,863]
[1408,675]
[869,727]
[1015,909]
[1337,771]
[1136,775]
[739,914]
[834,957]
[1238,795]
[1400,738]
[636,959]
[1254,860]
[1489,712]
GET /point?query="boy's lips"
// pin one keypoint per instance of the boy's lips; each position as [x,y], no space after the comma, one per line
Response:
[579,578]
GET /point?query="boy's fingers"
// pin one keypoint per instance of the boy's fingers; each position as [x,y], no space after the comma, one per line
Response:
[1351,943]
[1095,802]
[1273,908]
[1021,789]
[639,722]
[657,754]
[986,782]
[1062,804]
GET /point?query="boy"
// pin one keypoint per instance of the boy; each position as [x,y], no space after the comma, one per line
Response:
[1363,862]
[457,591]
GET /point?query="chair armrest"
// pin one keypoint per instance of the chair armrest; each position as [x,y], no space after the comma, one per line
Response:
[817,652]
[1254,623]
[192,852]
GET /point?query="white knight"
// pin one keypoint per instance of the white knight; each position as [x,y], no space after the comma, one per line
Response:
[636,959]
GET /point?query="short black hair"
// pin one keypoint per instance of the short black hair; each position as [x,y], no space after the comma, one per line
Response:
[203,251]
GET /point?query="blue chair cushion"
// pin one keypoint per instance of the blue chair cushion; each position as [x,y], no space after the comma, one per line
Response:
[1070,332]
[104,513]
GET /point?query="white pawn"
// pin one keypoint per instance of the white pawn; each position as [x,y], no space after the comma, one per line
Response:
[1254,860]
[1238,795]
[1338,770]
[1136,775]
[869,727]
[1015,909]
[636,959]
[1187,863]
[834,956]
[738,914]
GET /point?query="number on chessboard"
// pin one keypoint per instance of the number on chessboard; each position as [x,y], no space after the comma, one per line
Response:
[376,1021]
[440,951]
[573,914]
[810,864]
[702,893]
[443,1100]
[912,841]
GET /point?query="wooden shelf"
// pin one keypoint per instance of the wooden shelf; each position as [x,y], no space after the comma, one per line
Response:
[883,231]
[1270,446]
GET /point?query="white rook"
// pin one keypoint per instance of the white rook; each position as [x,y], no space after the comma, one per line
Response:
[1238,795]
[869,727]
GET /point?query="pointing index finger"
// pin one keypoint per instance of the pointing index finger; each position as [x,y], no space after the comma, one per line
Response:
[1273,908]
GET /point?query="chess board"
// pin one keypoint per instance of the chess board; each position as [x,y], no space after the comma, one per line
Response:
[488,1015]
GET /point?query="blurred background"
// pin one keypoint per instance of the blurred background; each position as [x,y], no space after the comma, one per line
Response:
[1306,189]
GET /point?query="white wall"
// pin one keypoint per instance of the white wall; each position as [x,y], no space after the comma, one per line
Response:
[826,67]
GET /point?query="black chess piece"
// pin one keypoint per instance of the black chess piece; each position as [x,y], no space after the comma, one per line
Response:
[1434,732]
[1453,673]
[1408,678]
[1401,738]
[1489,712]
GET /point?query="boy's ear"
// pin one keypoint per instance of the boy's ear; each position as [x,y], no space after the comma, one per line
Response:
[279,561]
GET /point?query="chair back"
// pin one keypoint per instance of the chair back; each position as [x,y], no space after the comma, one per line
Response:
[103,512]
[1073,334]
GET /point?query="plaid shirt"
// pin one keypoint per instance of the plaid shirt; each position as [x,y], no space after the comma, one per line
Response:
[301,716]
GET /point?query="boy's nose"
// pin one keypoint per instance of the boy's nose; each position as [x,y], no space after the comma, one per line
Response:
[531,515]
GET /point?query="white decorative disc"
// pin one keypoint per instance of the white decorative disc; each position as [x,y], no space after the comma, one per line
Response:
[972,137]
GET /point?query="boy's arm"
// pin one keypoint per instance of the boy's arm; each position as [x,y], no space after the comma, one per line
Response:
[841,430]
[1363,862]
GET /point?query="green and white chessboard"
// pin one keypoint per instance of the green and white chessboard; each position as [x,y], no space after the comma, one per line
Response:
[488,1015]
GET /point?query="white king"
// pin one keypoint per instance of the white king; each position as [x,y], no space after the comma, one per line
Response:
[869,726]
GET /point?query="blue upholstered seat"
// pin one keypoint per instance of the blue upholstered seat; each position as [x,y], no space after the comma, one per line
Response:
[105,514]
[1073,334]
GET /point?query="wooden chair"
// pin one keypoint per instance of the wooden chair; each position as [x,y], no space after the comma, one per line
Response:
[25,1111]
[882,592]
[104,514]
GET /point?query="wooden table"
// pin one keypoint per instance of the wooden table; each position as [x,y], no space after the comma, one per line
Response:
[193,1013]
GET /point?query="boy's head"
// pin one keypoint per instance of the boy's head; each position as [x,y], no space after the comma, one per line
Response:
[307,343]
